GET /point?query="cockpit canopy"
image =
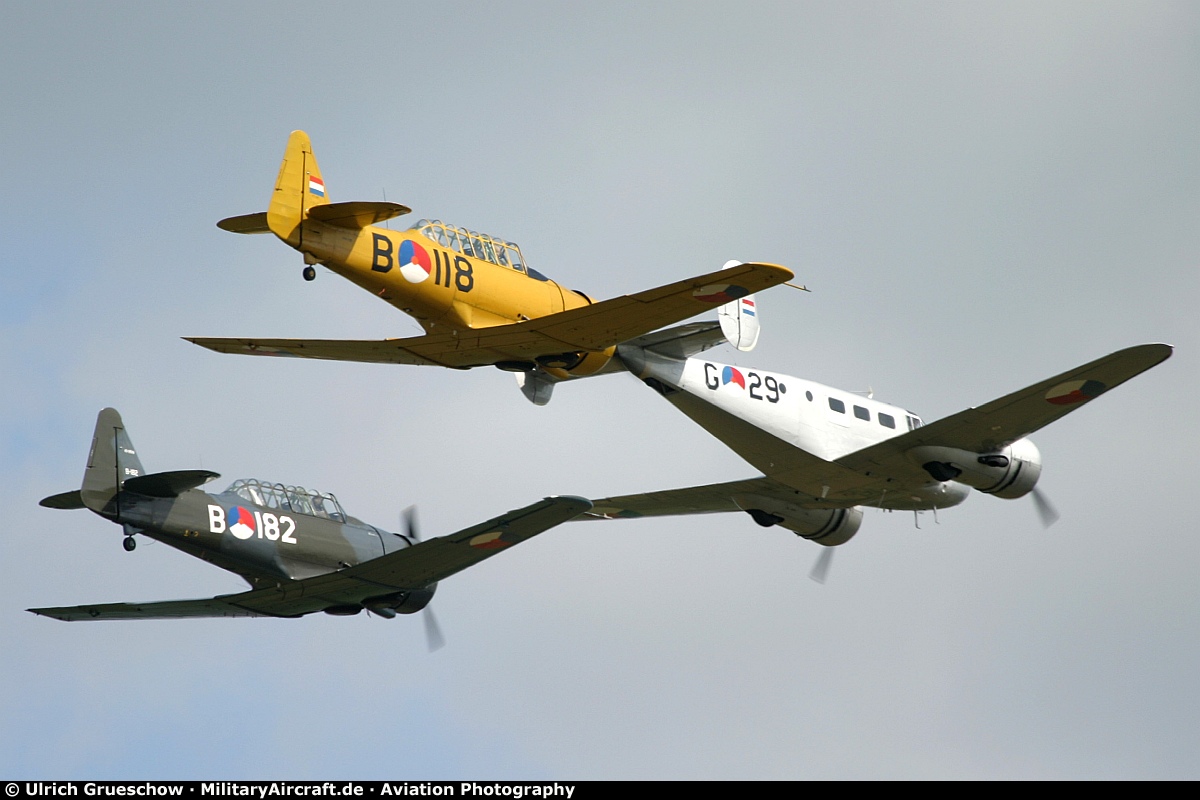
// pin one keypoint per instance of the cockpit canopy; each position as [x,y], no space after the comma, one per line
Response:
[295,499]
[476,245]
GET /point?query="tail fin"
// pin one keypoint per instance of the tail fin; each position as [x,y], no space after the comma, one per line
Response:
[298,188]
[739,322]
[111,461]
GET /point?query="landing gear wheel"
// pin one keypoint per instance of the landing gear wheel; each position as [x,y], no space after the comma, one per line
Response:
[129,544]
[310,273]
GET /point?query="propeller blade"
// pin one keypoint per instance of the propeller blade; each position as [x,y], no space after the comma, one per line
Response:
[410,523]
[433,634]
[1045,511]
[821,568]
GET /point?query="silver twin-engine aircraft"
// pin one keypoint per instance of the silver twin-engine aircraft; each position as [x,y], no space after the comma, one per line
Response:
[824,452]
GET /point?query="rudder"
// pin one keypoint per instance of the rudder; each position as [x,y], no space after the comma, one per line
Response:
[298,188]
[111,461]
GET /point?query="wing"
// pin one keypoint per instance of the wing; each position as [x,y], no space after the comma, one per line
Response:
[594,327]
[711,499]
[414,567]
[170,609]
[1001,422]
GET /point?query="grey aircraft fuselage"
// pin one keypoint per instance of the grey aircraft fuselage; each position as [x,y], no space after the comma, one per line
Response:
[261,543]
[297,549]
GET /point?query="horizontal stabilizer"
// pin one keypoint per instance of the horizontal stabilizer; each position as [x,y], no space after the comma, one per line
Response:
[682,341]
[357,213]
[66,500]
[246,223]
[169,484]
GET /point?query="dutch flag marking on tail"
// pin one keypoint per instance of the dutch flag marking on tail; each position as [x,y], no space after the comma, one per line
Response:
[316,186]
[748,306]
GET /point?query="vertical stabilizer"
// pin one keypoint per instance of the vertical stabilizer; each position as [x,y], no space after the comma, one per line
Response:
[739,322]
[298,188]
[111,460]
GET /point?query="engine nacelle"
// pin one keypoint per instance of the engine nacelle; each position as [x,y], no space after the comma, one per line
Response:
[1008,473]
[829,527]
[576,365]
[410,602]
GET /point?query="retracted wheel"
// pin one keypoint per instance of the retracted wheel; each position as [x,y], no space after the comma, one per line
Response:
[310,272]
[129,544]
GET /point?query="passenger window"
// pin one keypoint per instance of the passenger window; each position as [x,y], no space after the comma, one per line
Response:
[887,421]
[837,405]
[862,413]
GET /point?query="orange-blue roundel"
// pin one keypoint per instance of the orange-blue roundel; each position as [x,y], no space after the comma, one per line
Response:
[1065,394]
[414,261]
[732,375]
[241,522]
[721,293]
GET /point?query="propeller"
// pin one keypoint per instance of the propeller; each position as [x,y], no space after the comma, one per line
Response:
[1044,509]
[821,568]
[433,633]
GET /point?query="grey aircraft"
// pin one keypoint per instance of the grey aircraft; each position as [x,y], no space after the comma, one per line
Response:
[297,549]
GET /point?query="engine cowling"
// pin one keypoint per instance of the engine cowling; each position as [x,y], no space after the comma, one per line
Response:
[1008,473]
[829,527]
[401,602]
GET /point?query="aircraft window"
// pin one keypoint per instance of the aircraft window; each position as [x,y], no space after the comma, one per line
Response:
[913,422]
[862,413]
[475,245]
[837,405]
[809,396]
[514,256]
[488,253]
[887,420]
[295,499]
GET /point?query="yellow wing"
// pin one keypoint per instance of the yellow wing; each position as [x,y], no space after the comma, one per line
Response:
[591,328]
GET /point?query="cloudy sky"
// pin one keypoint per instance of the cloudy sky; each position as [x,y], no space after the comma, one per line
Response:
[981,195]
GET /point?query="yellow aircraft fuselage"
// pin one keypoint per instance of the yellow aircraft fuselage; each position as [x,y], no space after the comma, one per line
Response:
[439,286]
[478,301]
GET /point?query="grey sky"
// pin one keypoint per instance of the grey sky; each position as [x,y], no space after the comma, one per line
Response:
[981,195]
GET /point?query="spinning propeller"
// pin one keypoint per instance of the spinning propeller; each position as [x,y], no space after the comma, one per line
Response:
[1046,513]
[433,634]
[821,568]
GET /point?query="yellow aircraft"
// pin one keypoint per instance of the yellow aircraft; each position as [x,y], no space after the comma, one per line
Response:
[478,301]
